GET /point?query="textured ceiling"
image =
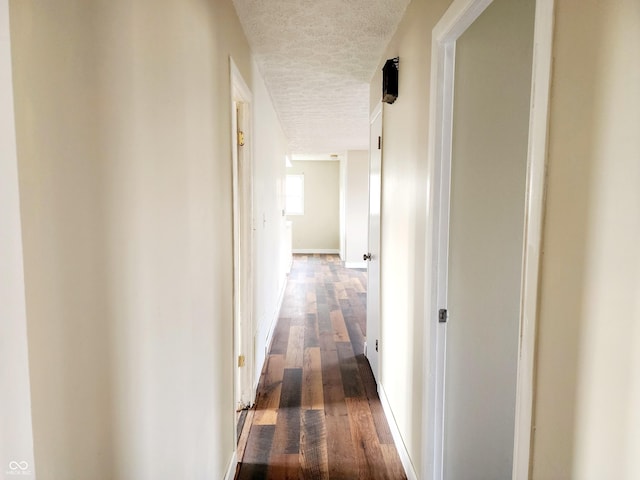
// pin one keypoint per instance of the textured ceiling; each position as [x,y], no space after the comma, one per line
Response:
[317,58]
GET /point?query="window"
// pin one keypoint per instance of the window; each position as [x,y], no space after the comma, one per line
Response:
[295,195]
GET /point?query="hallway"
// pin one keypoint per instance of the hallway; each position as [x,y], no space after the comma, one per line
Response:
[317,412]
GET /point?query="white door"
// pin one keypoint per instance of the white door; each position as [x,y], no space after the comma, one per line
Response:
[373,255]
[492,88]
[242,240]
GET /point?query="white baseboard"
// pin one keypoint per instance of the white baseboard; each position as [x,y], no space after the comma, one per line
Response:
[397,438]
[320,251]
[231,469]
[355,265]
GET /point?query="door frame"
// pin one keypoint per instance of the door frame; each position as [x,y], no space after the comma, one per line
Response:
[243,321]
[460,15]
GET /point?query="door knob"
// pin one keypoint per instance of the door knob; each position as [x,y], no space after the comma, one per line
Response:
[366,256]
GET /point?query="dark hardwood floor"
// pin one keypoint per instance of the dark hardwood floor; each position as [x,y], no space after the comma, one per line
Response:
[317,412]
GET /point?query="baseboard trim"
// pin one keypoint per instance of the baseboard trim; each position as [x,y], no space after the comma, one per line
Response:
[355,265]
[320,251]
[397,438]
[231,469]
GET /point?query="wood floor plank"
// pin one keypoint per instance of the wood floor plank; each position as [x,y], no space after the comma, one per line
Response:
[295,348]
[332,387]
[392,462]
[349,370]
[280,336]
[312,304]
[244,434]
[353,296]
[322,296]
[369,456]
[287,434]
[332,299]
[340,333]
[255,462]
[368,380]
[341,292]
[284,466]
[312,395]
[311,331]
[345,306]
[268,397]
[356,336]
[241,418]
[377,412]
[313,446]
[359,313]
[324,320]
[356,283]
[340,454]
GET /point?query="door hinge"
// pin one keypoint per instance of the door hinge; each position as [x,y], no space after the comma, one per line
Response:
[240,138]
[376,345]
[443,315]
[379,142]
[240,360]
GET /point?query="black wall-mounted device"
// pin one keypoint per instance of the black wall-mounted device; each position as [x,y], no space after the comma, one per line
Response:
[390,80]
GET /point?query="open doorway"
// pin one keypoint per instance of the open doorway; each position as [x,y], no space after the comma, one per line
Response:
[486,223]
[244,348]
[488,132]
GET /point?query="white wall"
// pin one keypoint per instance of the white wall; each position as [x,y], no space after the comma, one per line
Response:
[272,251]
[56,95]
[16,439]
[356,207]
[318,230]
[404,213]
[124,156]
[587,422]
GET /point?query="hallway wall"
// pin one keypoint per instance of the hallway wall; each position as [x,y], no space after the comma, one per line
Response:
[404,215]
[318,230]
[271,249]
[124,152]
[587,422]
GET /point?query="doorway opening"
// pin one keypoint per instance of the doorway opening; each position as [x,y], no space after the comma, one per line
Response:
[244,348]
[488,186]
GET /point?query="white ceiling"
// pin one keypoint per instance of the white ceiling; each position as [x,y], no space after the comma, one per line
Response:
[317,58]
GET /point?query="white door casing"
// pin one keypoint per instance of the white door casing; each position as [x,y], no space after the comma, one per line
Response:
[460,15]
[375,201]
[486,220]
[241,116]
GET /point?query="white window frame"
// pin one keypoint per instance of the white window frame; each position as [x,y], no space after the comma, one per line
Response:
[289,196]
